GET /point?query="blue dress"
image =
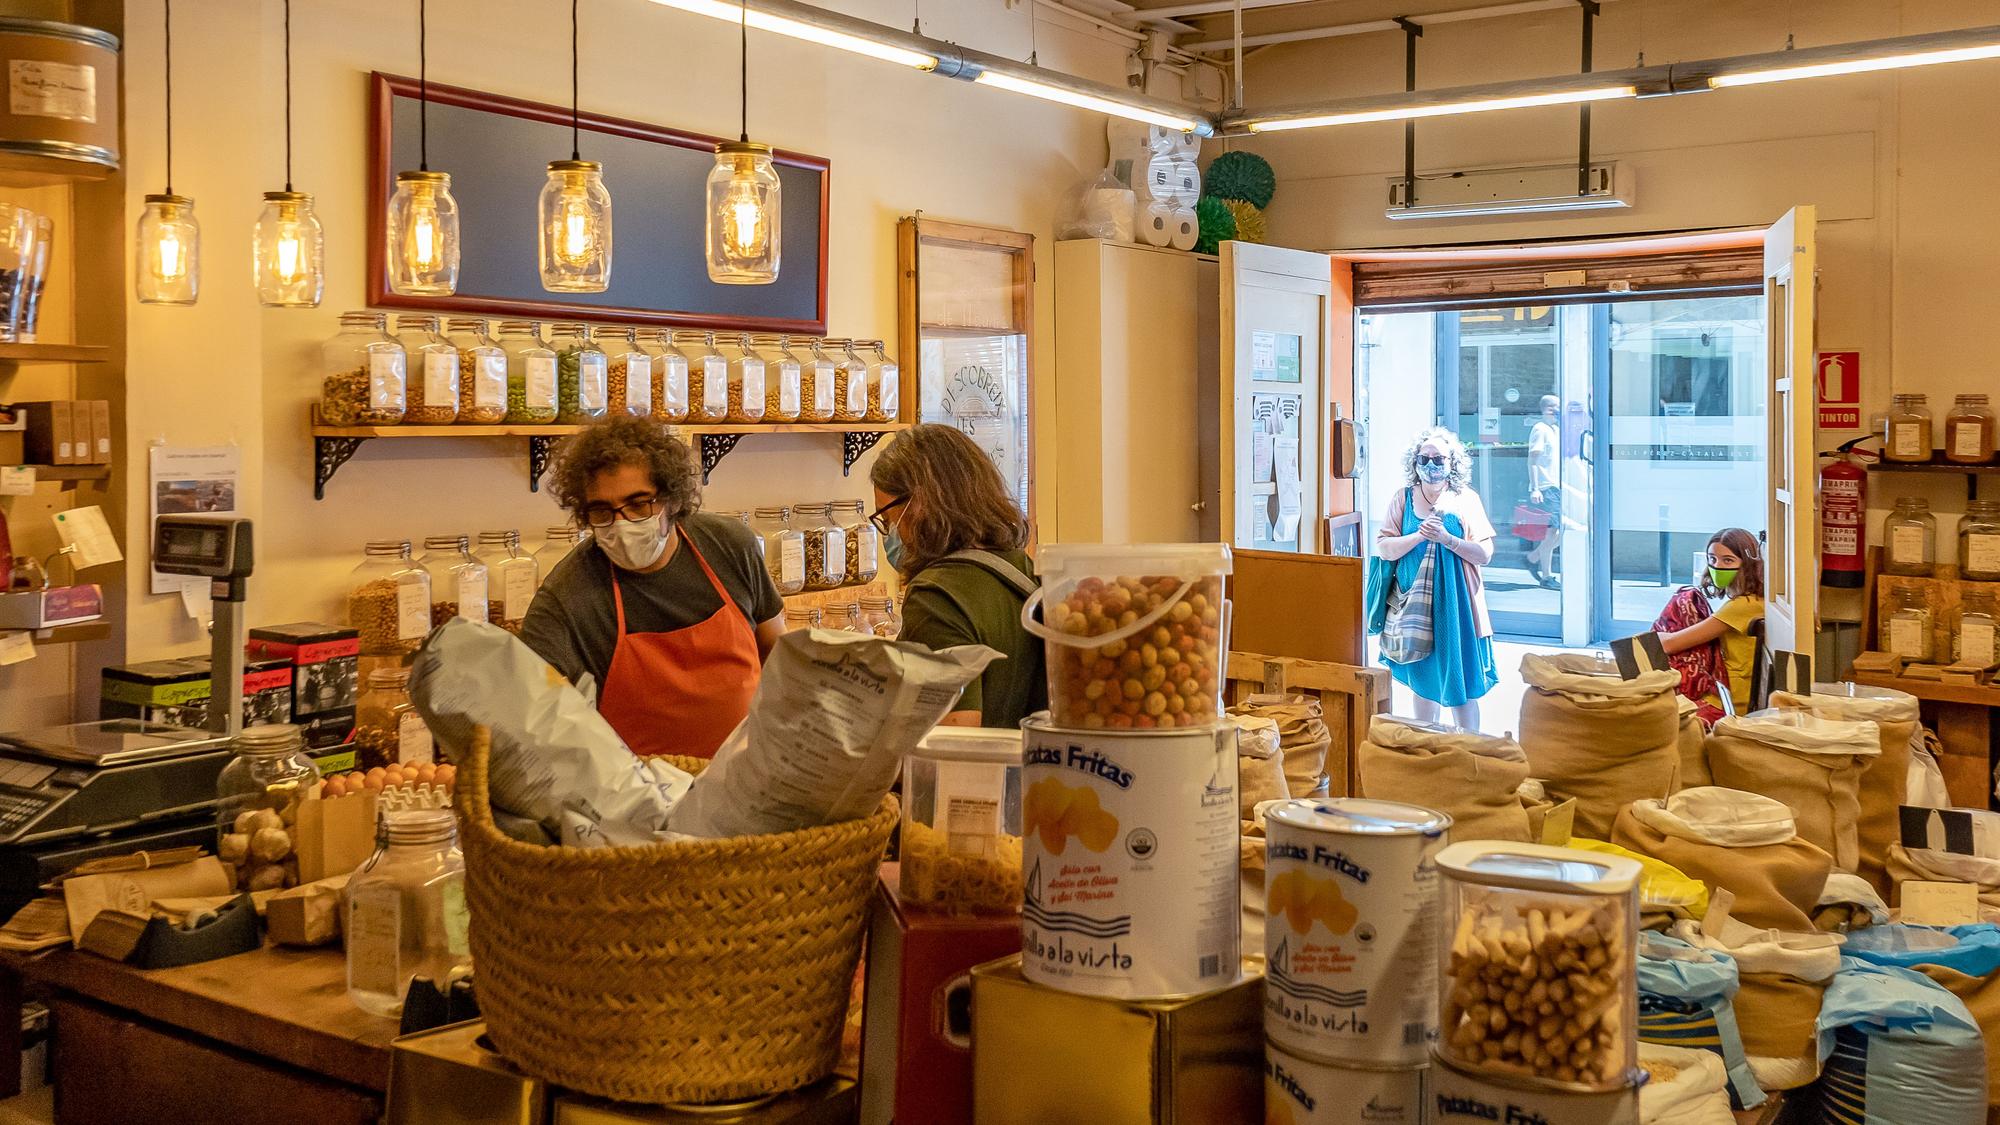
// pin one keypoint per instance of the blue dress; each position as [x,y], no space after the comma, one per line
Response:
[1460,667]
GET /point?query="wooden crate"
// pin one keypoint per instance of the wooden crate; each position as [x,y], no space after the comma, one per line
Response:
[1943,592]
[1349,698]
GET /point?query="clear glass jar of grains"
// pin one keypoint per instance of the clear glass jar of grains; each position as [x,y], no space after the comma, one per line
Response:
[433,372]
[1909,538]
[784,548]
[1979,541]
[364,374]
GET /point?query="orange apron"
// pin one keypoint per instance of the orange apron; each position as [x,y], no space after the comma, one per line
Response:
[683,691]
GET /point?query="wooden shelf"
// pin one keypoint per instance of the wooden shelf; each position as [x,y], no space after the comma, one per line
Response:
[1985,695]
[22,169]
[53,353]
[68,472]
[1937,466]
[73,634]
[553,431]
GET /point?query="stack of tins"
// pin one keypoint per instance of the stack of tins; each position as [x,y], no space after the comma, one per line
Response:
[1350,944]
[1131,945]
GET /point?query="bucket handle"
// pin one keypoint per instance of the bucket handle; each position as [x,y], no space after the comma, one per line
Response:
[1078,640]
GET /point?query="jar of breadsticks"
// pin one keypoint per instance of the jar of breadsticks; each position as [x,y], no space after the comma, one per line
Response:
[1537,980]
[961,843]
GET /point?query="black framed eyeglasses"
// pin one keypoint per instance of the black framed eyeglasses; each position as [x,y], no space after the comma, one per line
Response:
[1430,459]
[881,523]
[604,515]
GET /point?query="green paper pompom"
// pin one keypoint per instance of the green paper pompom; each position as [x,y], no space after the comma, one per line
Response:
[1249,220]
[1217,224]
[1242,175]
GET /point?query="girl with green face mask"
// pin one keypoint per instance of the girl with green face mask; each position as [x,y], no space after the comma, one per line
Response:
[1712,644]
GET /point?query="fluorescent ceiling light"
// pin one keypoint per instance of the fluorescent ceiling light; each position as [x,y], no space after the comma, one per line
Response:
[1855,66]
[1051,92]
[811,33]
[1448,109]
[1513,207]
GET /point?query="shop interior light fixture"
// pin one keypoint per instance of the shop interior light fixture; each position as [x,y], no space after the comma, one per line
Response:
[862,43]
[745,228]
[575,208]
[1891,54]
[1036,87]
[1418,111]
[167,251]
[422,233]
[288,249]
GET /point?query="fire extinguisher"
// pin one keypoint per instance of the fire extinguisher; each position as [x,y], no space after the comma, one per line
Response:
[1843,516]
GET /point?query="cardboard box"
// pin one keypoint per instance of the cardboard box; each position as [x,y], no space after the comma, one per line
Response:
[177,692]
[325,663]
[50,436]
[46,609]
[81,444]
[100,432]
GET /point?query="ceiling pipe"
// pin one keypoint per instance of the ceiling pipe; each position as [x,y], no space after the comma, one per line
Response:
[1307,34]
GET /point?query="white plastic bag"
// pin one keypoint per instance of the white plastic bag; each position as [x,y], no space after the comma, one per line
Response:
[1687,1087]
[1100,207]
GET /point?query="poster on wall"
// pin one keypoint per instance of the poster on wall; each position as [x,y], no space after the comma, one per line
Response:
[191,480]
[1839,390]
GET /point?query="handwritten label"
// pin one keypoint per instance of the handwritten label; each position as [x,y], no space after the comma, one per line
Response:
[15,648]
[441,379]
[40,88]
[413,741]
[517,589]
[1906,545]
[1907,442]
[540,382]
[413,611]
[17,480]
[590,381]
[1939,904]
[472,593]
[489,385]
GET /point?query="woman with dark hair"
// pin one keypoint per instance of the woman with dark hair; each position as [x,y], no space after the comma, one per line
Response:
[953,532]
[1715,651]
[669,610]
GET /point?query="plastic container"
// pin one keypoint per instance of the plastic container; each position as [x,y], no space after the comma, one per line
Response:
[388,731]
[961,841]
[433,396]
[880,619]
[784,548]
[781,379]
[1909,538]
[365,374]
[864,543]
[531,373]
[670,377]
[482,372]
[512,577]
[581,372]
[557,543]
[746,380]
[850,381]
[708,377]
[389,600]
[405,911]
[459,582]
[628,374]
[1137,635]
[257,805]
[1979,541]
[1968,431]
[1907,429]
[885,382]
[1545,924]
[826,545]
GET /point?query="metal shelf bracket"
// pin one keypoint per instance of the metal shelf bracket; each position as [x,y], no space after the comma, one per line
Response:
[714,447]
[853,444]
[540,451]
[329,454]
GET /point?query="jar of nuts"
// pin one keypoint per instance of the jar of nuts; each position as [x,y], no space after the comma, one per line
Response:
[801,617]
[458,581]
[628,374]
[784,548]
[885,383]
[1536,973]
[363,374]
[845,616]
[389,600]
[880,619]
[670,377]
[433,372]
[482,372]
[815,377]
[257,806]
[388,731]
[781,379]
[826,545]
[850,381]
[511,578]
[746,381]
[708,377]
[557,543]
[582,371]
[864,543]
[531,373]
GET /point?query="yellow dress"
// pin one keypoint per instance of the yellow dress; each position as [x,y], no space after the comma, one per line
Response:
[1739,648]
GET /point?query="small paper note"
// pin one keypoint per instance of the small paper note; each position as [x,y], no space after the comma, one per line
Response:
[1939,904]
[17,480]
[193,601]
[16,648]
[1560,824]
[86,530]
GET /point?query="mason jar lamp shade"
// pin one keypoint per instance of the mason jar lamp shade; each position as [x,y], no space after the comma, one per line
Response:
[290,251]
[744,232]
[576,228]
[167,270]
[423,235]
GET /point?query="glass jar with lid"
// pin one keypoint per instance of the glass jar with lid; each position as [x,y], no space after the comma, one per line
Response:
[670,377]
[864,543]
[1909,629]
[405,911]
[815,377]
[458,581]
[708,377]
[1968,431]
[628,374]
[580,374]
[781,379]
[388,731]
[389,600]
[482,372]
[511,578]
[257,805]
[826,545]
[557,542]
[1973,638]
[1909,538]
[845,616]
[433,366]
[531,373]
[1906,429]
[961,841]
[879,618]
[799,617]
[850,381]
[784,548]
[885,383]
[746,380]
[364,373]
[1979,541]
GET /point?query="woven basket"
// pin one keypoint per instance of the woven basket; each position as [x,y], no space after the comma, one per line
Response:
[674,972]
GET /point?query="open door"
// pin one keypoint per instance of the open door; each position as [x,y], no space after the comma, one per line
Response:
[1791,580]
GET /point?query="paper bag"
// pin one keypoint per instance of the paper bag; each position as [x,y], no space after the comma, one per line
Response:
[133,892]
[334,835]
[306,915]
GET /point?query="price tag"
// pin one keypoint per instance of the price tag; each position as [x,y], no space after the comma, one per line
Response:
[413,741]
[1939,904]
[17,480]
[472,594]
[16,648]
[1560,824]
[517,590]
[413,611]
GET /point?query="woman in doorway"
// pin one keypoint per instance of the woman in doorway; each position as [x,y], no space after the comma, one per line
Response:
[1439,514]
[1715,649]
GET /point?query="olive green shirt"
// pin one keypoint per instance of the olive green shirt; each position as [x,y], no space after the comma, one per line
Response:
[963,603]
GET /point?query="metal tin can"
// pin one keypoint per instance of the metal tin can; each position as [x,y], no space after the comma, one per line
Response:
[61,114]
[1460,1097]
[1350,894]
[1303,1092]
[1130,852]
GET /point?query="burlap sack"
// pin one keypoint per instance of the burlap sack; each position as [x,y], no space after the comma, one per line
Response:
[1811,764]
[1735,841]
[1783,979]
[1475,778]
[1947,867]
[1966,970]
[1605,741]
[1260,764]
[1693,746]
[1884,784]
[1302,735]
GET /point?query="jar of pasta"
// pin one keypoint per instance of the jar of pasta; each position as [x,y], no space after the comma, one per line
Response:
[1968,431]
[482,372]
[864,543]
[781,379]
[1909,538]
[1906,429]
[628,373]
[961,839]
[433,372]
[1978,541]
[458,581]
[580,374]
[885,384]
[850,381]
[799,617]
[815,377]
[746,381]
[826,545]
[557,543]
[1973,637]
[531,373]
[511,578]
[1907,633]
[389,600]
[708,377]
[784,548]
[364,374]
[670,377]
[879,618]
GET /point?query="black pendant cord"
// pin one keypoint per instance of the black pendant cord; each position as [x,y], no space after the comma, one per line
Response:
[423,91]
[170,96]
[575,153]
[743,45]
[288,95]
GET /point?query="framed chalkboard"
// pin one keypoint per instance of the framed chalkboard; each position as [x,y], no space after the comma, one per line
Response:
[497,150]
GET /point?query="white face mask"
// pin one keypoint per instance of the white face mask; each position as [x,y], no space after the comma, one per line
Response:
[633,544]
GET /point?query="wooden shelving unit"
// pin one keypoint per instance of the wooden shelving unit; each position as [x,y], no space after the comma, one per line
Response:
[53,353]
[1938,465]
[22,169]
[68,474]
[73,634]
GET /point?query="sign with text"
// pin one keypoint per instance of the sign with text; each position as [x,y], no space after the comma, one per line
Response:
[1840,390]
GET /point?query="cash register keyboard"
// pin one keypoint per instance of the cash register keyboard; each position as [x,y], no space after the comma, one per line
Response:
[16,811]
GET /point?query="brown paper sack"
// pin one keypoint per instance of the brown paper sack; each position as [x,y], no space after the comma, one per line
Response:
[1260,768]
[1778,1016]
[1604,740]
[1884,784]
[1475,778]
[335,836]
[1930,866]
[1693,747]
[306,915]
[1777,886]
[1302,737]
[133,892]
[1811,764]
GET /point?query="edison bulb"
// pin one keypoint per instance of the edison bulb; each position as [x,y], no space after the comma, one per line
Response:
[289,252]
[167,270]
[574,247]
[423,235]
[745,220]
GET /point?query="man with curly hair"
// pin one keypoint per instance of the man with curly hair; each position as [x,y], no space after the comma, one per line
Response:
[669,610]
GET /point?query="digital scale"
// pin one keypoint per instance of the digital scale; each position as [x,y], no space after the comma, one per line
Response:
[86,790]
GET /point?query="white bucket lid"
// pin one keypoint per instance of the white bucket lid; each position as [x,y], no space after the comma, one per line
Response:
[1359,816]
[1539,867]
[971,744]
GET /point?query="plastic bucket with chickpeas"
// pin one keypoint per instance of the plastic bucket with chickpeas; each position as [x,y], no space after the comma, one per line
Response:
[1137,636]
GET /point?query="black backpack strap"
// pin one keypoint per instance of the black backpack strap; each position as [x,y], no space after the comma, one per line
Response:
[997,566]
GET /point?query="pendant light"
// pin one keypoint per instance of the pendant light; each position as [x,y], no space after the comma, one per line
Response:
[167,255]
[423,217]
[575,209]
[744,227]
[289,248]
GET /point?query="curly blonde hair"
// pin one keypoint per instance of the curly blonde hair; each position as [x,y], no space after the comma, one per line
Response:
[1456,458]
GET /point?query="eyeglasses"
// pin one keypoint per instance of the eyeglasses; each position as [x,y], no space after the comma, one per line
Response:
[603,515]
[882,524]
[1430,459]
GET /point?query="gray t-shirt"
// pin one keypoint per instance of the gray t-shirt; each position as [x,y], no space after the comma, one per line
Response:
[573,624]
